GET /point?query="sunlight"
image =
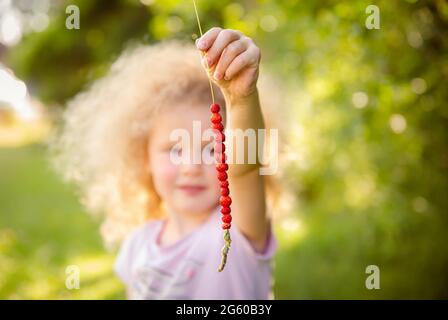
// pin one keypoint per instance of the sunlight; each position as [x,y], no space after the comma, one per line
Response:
[292,231]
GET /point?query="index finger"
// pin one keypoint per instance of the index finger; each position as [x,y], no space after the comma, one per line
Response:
[207,40]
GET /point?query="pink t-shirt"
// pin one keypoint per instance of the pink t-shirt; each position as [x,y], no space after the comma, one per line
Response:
[187,269]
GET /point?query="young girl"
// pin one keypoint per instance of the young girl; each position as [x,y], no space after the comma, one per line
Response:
[116,145]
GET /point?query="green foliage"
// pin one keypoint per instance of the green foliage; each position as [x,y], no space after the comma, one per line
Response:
[76,57]
[43,230]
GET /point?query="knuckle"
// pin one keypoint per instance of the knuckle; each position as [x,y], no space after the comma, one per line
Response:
[256,53]
[252,59]
[242,61]
[234,47]
[236,32]
[227,33]
[248,40]
[215,29]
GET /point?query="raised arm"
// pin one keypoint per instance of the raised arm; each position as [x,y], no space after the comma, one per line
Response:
[233,60]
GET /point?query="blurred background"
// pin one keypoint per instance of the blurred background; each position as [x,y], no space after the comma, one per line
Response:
[368,148]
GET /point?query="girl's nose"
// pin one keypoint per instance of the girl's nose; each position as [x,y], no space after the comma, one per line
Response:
[192,164]
[191,168]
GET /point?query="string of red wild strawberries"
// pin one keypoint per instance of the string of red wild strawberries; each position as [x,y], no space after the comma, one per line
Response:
[221,166]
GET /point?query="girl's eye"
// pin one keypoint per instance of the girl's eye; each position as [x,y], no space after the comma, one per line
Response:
[208,154]
[176,150]
[209,149]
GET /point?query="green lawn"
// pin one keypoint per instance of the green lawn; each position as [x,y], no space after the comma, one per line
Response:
[43,230]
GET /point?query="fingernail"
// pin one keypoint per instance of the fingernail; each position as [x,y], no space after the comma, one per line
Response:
[201,44]
[226,78]
[217,75]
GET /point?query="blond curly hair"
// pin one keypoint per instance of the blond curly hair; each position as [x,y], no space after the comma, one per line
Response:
[102,142]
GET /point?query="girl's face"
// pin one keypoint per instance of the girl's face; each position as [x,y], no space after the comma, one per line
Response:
[187,187]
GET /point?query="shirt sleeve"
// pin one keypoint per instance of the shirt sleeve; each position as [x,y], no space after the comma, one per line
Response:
[126,256]
[270,247]
[122,264]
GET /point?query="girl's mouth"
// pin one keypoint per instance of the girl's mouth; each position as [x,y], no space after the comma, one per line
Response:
[192,189]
